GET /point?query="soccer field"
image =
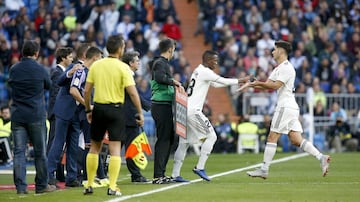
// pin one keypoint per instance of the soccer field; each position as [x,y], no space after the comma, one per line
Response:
[297,179]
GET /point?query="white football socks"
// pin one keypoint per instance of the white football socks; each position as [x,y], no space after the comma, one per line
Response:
[269,153]
[309,148]
[179,157]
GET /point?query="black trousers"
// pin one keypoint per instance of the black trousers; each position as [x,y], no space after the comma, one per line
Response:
[131,134]
[163,117]
[51,133]
[60,176]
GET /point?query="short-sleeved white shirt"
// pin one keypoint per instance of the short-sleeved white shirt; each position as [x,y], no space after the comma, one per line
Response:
[285,73]
[200,81]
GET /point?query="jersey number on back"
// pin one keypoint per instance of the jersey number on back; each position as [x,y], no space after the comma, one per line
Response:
[190,88]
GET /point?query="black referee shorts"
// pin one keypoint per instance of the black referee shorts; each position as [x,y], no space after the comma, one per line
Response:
[110,118]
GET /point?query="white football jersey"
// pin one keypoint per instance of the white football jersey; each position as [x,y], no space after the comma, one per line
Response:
[200,80]
[285,73]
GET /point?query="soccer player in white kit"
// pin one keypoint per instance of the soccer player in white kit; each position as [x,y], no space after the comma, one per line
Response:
[286,116]
[199,128]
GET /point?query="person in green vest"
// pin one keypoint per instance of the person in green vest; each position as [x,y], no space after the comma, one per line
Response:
[247,127]
[5,132]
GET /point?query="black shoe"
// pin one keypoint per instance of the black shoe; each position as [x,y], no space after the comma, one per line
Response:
[114,192]
[22,192]
[53,182]
[74,183]
[162,180]
[49,188]
[88,191]
[139,179]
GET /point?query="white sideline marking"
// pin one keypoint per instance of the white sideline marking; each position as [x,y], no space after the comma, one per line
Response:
[123,198]
[10,172]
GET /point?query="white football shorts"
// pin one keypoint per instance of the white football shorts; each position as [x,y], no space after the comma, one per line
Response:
[198,128]
[286,120]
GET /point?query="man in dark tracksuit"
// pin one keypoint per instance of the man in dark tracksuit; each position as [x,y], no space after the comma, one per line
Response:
[162,90]
[132,129]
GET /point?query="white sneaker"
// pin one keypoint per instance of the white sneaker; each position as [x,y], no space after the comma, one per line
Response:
[258,173]
[324,164]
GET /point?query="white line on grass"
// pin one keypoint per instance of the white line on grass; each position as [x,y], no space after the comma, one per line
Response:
[123,198]
[10,172]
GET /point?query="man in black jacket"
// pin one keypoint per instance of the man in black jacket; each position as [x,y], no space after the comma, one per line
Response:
[132,129]
[162,91]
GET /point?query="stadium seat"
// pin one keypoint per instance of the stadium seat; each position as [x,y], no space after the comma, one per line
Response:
[248,142]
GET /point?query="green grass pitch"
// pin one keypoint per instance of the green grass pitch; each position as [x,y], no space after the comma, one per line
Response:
[294,180]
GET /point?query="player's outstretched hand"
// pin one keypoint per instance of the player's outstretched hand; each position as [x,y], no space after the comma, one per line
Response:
[243,87]
[245,79]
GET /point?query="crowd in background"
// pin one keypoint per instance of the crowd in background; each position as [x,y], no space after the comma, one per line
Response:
[56,23]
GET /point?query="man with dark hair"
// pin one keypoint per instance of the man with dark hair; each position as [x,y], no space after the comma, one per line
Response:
[67,126]
[77,87]
[162,88]
[64,57]
[111,77]
[199,128]
[28,117]
[286,116]
[132,130]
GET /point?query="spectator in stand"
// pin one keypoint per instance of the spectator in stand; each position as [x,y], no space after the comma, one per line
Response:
[6,155]
[354,44]
[264,43]
[337,111]
[152,36]
[344,53]
[171,29]
[319,109]
[127,9]
[247,127]
[225,142]
[138,29]
[13,6]
[70,19]
[340,137]
[249,59]
[209,12]
[297,59]
[90,35]
[109,18]
[303,70]
[324,72]
[140,44]
[83,10]
[319,94]
[253,18]
[236,26]
[147,14]
[125,27]
[94,17]
[165,9]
